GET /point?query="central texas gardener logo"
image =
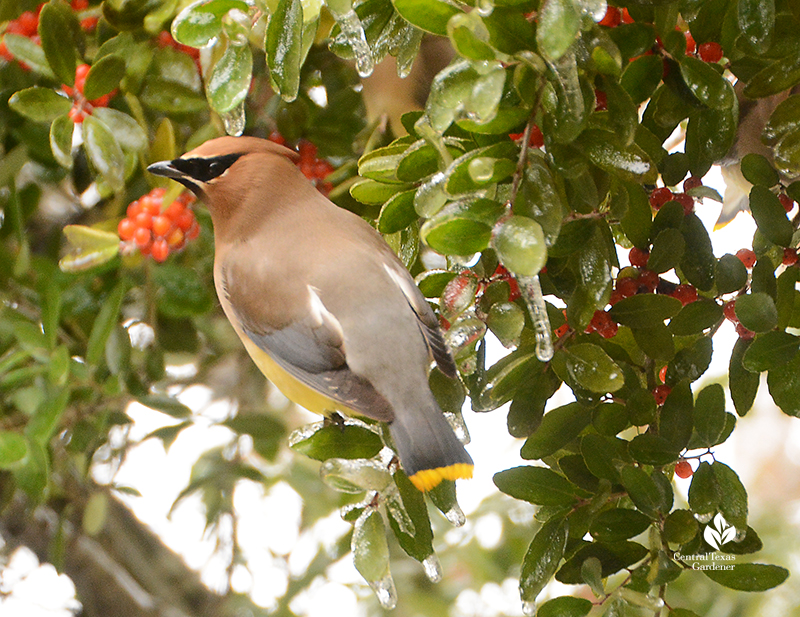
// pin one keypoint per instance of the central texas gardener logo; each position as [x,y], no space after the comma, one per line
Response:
[719,532]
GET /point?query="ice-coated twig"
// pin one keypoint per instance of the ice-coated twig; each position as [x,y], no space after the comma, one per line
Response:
[532,293]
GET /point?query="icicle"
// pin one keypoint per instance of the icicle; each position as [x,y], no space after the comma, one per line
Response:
[741,534]
[456,516]
[353,31]
[234,120]
[385,591]
[529,608]
[432,567]
[532,293]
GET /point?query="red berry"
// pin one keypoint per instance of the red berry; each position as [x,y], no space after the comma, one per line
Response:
[186,198]
[81,71]
[787,202]
[79,5]
[322,169]
[277,138]
[144,220]
[126,229]
[747,257]
[101,101]
[692,182]
[660,393]
[164,39]
[744,332]
[685,293]
[142,237]
[662,374]
[76,114]
[177,239]
[627,286]
[162,225]
[29,23]
[89,24]
[649,280]
[160,250]
[601,101]
[185,220]
[174,210]
[134,208]
[612,18]
[537,139]
[683,469]
[659,197]
[193,232]
[561,330]
[307,150]
[150,204]
[638,257]
[687,201]
[729,310]
[691,46]
[626,17]
[710,52]
[603,324]
[789,257]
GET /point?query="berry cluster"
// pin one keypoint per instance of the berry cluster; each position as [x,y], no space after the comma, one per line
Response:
[662,195]
[313,168]
[157,231]
[27,25]
[81,107]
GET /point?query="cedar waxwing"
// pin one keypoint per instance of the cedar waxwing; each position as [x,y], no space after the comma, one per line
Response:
[323,306]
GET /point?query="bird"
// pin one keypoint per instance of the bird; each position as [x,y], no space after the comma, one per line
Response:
[322,304]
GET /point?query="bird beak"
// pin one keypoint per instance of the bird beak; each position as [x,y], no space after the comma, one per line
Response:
[166,169]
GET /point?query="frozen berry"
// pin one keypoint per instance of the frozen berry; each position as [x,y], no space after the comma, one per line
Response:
[603,324]
[649,280]
[789,257]
[660,394]
[710,52]
[687,201]
[747,257]
[692,182]
[685,293]
[683,469]
[659,197]
[561,330]
[638,257]
[612,18]
[787,202]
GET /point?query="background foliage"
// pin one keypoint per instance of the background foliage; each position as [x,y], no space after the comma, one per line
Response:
[546,146]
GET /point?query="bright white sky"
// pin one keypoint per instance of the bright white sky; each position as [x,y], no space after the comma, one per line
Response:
[277,550]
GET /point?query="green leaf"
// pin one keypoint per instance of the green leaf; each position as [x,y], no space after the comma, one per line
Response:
[770,216]
[165,404]
[61,131]
[706,83]
[770,350]
[641,489]
[470,37]
[398,213]
[749,576]
[603,455]
[370,547]
[25,50]
[480,167]
[638,219]
[541,197]
[690,362]
[731,275]
[618,524]
[381,164]
[696,317]
[106,320]
[593,369]
[644,310]
[463,227]
[710,416]
[698,263]
[89,248]
[284,48]
[716,488]
[372,192]
[330,441]
[13,449]
[565,606]
[709,136]
[538,485]
[559,24]
[680,527]
[558,428]
[641,77]
[756,312]
[630,163]
[171,97]
[415,538]
[743,384]
[651,449]
[775,77]
[784,386]
[783,121]
[104,152]
[39,104]
[428,15]
[127,130]
[104,76]
[667,251]
[182,291]
[59,29]
[520,245]
[197,24]
[756,169]
[613,557]
[542,559]
[229,81]
[757,21]
[506,321]
[504,378]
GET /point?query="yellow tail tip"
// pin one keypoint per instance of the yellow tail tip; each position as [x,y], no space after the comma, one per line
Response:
[427,479]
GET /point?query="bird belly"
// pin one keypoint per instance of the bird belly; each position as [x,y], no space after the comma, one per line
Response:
[295,390]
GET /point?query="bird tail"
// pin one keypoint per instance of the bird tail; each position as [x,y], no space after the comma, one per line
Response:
[428,448]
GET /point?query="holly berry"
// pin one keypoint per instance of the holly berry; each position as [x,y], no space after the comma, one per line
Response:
[710,52]
[685,293]
[691,46]
[687,201]
[660,394]
[659,197]
[729,311]
[683,469]
[603,324]
[662,374]
[627,286]
[787,202]
[561,330]
[747,257]
[638,257]
[612,18]
[626,17]
[649,280]
[789,257]
[601,101]
[692,182]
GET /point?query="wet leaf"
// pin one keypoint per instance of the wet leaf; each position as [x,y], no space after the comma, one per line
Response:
[60,32]
[428,15]
[784,386]
[565,606]
[538,485]
[520,245]
[593,369]
[330,441]
[770,350]
[229,81]
[770,216]
[284,48]
[743,384]
[618,524]
[559,24]
[89,248]
[645,310]
[39,104]
[558,428]
[749,576]
[104,152]
[706,83]
[542,559]
[197,24]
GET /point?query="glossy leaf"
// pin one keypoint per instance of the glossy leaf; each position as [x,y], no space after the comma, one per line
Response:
[593,369]
[25,50]
[696,317]
[706,83]
[558,428]
[520,245]
[126,129]
[104,152]
[59,30]
[284,48]
[428,15]
[770,216]
[743,383]
[538,485]
[565,606]
[559,23]
[104,76]
[749,576]
[643,311]
[756,312]
[89,248]
[229,81]
[710,415]
[197,24]
[630,163]
[770,350]
[39,104]
[784,386]
[730,274]
[542,559]
[698,263]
